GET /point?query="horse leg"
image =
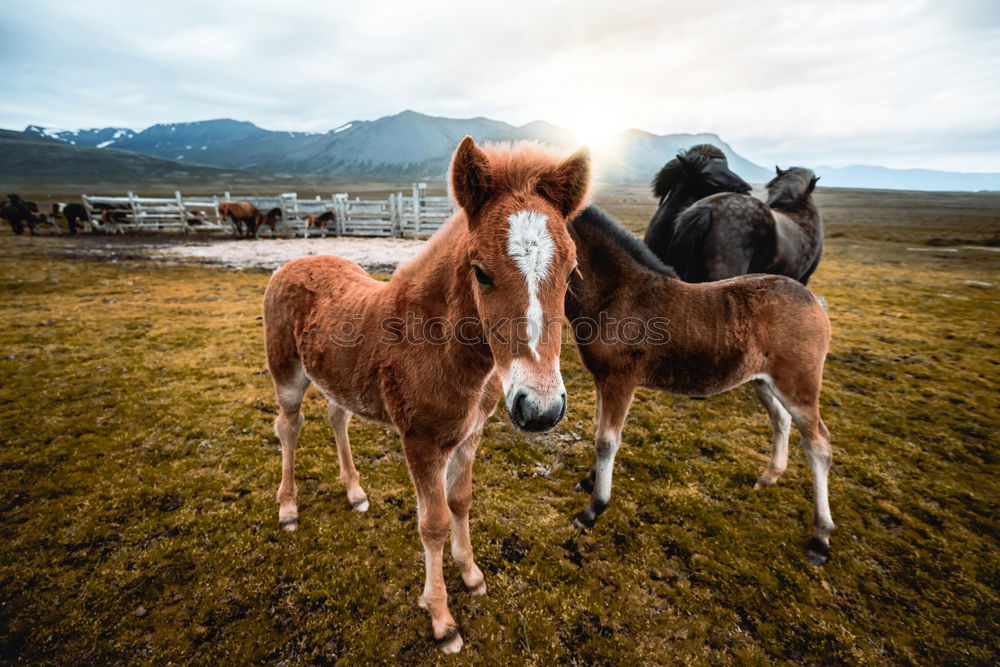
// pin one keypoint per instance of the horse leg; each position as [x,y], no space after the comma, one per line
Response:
[781,423]
[458,480]
[816,443]
[290,384]
[586,485]
[427,464]
[338,418]
[616,395]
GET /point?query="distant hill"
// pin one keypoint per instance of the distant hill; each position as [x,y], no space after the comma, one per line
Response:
[411,145]
[884,178]
[27,155]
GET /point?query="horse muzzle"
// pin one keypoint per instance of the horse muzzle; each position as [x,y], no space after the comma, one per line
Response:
[532,414]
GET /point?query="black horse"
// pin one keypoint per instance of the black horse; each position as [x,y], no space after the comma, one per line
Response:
[16,211]
[700,171]
[728,235]
[74,214]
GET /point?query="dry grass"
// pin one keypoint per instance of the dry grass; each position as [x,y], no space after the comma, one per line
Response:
[138,468]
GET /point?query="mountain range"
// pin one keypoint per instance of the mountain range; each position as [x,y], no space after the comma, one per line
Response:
[414,145]
[28,156]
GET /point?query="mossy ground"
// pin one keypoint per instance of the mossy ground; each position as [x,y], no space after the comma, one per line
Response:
[138,470]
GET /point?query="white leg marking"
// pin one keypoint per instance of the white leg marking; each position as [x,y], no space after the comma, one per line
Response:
[606,450]
[820,464]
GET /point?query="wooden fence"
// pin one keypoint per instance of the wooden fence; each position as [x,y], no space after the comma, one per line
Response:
[415,214]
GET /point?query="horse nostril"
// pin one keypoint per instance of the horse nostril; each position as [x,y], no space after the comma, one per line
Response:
[517,413]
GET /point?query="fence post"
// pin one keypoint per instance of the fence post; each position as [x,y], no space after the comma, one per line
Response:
[91,225]
[181,211]
[416,209]
[135,209]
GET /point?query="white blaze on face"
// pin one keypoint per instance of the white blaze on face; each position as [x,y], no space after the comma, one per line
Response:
[530,246]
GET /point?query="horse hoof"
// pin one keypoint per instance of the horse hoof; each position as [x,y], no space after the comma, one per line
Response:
[290,526]
[585,485]
[583,522]
[451,642]
[361,506]
[763,483]
[817,552]
[478,589]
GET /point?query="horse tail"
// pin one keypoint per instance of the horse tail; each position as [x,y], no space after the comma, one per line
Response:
[686,251]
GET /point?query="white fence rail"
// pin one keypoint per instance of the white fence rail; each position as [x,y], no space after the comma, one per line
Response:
[415,214]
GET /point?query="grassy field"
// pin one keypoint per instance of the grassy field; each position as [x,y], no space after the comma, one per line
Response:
[138,471]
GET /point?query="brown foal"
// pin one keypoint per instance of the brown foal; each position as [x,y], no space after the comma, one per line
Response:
[698,340]
[476,316]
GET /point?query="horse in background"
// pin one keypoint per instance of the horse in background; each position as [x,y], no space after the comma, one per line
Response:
[700,171]
[73,213]
[112,215]
[240,213]
[637,324]
[17,212]
[320,222]
[270,219]
[500,263]
[728,235]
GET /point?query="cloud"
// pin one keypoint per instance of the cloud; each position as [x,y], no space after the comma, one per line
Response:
[910,83]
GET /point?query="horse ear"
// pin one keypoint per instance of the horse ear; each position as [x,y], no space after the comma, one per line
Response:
[471,181]
[778,171]
[682,158]
[567,185]
[812,184]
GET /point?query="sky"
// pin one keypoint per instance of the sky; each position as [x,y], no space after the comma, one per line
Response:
[900,83]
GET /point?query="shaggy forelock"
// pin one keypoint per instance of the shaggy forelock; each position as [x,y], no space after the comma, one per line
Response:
[519,166]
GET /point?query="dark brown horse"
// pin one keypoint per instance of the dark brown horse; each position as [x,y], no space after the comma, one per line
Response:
[700,171]
[637,324]
[728,235]
[240,213]
[270,219]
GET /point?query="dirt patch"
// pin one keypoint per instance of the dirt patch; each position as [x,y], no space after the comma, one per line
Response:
[374,254]
[378,255]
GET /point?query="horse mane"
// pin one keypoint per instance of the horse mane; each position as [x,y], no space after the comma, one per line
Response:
[603,224]
[670,174]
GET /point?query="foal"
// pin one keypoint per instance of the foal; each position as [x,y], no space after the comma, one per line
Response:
[487,293]
[320,221]
[699,340]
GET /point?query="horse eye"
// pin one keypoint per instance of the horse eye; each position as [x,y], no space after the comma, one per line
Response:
[481,277]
